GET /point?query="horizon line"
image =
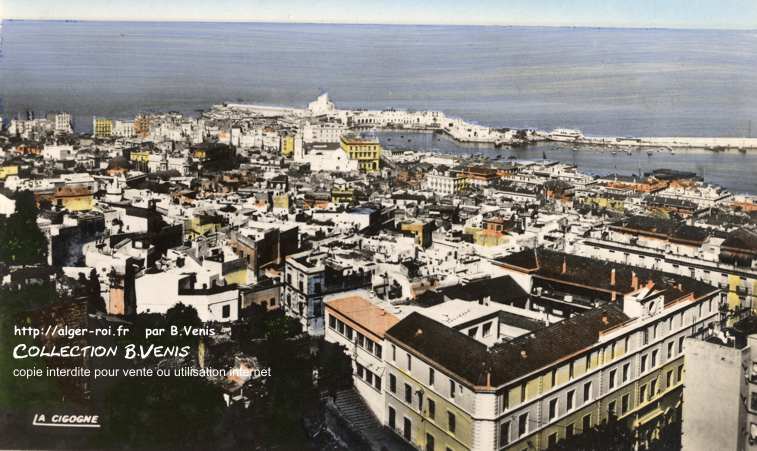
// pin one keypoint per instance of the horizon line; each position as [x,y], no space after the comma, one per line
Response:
[407,24]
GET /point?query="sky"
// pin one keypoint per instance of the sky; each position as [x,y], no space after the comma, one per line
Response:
[727,14]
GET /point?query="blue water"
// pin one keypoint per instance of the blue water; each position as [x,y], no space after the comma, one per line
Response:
[603,81]
[628,82]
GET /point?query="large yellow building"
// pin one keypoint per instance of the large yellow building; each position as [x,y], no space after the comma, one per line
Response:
[367,151]
[102,127]
[287,145]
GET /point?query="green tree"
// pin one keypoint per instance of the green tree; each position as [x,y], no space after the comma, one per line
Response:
[21,240]
[334,368]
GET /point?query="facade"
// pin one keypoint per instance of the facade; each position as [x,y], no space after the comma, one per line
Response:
[310,276]
[367,151]
[102,127]
[535,390]
[447,184]
[728,262]
[359,326]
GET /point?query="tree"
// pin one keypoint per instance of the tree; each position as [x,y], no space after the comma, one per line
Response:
[334,368]
[21,240]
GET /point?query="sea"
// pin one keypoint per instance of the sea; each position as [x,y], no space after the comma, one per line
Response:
[603,81]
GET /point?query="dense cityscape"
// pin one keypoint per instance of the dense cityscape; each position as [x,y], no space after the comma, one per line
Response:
[376,297]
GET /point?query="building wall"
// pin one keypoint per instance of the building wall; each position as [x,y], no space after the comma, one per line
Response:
[713,413]
[370,387]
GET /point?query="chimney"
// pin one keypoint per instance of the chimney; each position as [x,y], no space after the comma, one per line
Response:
[523,354]
[419,332]
[634,281]
[612,277]
[488,379]
[564,265]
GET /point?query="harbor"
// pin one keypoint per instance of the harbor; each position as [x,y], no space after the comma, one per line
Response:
[731,169]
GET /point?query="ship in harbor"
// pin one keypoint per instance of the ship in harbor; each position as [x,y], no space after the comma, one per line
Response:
[565,134]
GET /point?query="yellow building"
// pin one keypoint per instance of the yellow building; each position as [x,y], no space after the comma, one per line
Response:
[287,145]
[141,156]
[367,151]
[201,225]
[74,198]
[102,127]
[421,230]
[5,171]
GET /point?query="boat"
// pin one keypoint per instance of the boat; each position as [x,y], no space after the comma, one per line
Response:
[565,134]
[649,152]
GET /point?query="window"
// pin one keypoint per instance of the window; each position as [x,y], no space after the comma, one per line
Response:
[431,408]
[670,350]
[553,378]
[348,332]
[642,393]
[408,394]
[420,400]
[643,363]
[431,377]
[753,402]
[409,362]
[340,327]
[587,422]
[680,345]
[611,411]
[504,434]
[407,431]
[522,424]
[654,358]
[626,371]
[669,379]
[652,388]
[571,396]
[587,364]
[624,403]
[552,439]
[523,393]
[569,430]
[587,391]
[472,331]
[451,422]
[552,408]
[377,351]
[360,340]
[359,370]
[570,370]
[627,344]
[486,330]
[392,418]
[394,353]
[332,322]
[377,382]
[451,388]
[645,337]
[613,374]
[429,442]
[226,311]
